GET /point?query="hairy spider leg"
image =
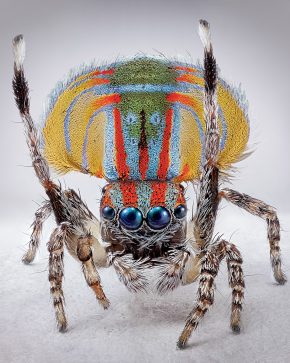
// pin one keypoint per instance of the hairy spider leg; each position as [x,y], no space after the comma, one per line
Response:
[268,213]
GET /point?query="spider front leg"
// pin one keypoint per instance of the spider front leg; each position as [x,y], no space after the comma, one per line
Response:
[262,210]
[41,215]
[85,255]
[205,294]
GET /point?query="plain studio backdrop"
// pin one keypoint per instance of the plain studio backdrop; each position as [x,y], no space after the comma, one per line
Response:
[251,44]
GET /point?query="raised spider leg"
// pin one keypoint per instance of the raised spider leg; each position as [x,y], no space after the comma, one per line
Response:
[207,200]
[263,210]
[90,272]
[205,294]
[41,215]
[56,272]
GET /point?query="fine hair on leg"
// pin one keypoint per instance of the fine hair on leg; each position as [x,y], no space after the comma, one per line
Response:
[207,199]
[210,263]
[268,213]
[56,272]
[41,215]
[234,260]
[84,253]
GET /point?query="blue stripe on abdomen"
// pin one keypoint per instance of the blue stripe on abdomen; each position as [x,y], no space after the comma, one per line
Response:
[155,145]
[109,159]
[131,145]
[174,145]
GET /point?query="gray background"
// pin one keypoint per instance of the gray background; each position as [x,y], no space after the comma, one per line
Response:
[251,43]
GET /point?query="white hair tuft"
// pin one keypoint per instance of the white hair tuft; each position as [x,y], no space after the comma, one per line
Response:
[19,51]
[204,34]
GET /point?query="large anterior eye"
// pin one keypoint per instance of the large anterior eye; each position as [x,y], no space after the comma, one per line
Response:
[108,213]
[131,218]
[158,218]
[180,211]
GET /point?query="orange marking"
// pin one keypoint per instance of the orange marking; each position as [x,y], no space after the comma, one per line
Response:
[99,173]
[143,161]
[129,194]
[164,154]
[95,81]
[106,199]
[107,100]
[190,78]
[186,69]
[186,100]
[106,71]
[158,194]
[181,197]
[120,152]
[184,173]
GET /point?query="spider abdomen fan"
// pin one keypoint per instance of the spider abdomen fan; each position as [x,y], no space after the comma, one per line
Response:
[140,119]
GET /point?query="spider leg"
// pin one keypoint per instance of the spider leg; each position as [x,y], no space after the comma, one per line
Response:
[205,295]
[262,210]
[41,215]
[207,201]
[85,255]
[56,272]
[236,279]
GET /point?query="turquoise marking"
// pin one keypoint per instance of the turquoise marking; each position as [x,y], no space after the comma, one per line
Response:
[171,196]
[174,145]
[109,160]
[154,146]
[85,144]
[116,196]
[131,146]
[144,192]
[224,128]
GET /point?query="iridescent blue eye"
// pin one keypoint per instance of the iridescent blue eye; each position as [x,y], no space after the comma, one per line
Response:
[108,213]
[158,218]
[180,211]
[131,218]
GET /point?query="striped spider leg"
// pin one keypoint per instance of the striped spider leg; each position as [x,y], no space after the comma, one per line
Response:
[210,253]
[262,210]
[73,218]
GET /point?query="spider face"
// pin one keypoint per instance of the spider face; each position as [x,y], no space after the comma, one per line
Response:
[143,218]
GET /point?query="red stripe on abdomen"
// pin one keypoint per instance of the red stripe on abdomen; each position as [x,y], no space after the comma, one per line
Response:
[158,194]
[164,154]
[129,194]
[121,155]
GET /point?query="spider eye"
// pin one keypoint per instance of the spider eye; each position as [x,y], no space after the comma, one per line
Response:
[108,213]
[131,218]
[180,211]
[158,218]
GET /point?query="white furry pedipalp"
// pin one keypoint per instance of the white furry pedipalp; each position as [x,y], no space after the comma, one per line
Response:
[204,34]
[19,51]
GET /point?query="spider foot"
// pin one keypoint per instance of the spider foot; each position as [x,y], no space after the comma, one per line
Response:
[28,257]
[185,335]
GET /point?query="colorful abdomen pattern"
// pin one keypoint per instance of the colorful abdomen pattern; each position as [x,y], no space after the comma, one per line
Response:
[139,120]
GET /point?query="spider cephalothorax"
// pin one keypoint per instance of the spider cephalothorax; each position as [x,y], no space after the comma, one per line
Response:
[144,125]
[146,219]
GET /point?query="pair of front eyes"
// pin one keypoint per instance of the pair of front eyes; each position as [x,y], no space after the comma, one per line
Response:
[157,217]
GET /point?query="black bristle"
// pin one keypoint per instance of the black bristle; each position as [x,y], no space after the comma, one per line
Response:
[21,91]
